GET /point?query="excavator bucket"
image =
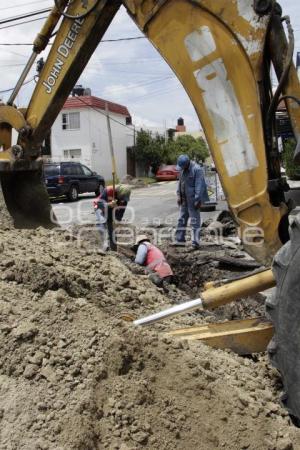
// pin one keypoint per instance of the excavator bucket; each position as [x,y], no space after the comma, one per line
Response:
[243,337]
[22,183]
[27,199]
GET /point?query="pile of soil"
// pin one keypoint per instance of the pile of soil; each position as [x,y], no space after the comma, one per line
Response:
[74,376]
[134,182]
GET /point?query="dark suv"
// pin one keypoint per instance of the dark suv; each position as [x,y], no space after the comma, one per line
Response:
[71,179]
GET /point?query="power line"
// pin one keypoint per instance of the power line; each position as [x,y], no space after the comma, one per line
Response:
[24,16]
[134,38]
[135,61]
[10,45]
[166,91]
[22,23]
[9,90]
[104,40]
[104,114]
[138,85]
[12,52]
[95,68]
[13,65]
[160,91]
[23,4]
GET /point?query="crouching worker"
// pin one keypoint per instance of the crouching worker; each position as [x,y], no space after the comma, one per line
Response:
[109,208]
[160,273]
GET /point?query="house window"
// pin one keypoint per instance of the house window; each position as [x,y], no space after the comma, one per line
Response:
[71,121]
[74,153]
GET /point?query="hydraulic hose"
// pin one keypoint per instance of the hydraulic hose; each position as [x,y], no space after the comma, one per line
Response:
[78,16]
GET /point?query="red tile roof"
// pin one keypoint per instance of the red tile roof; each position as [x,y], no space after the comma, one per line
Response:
[86,101]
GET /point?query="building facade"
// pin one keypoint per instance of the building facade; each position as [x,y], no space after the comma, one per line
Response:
[80,133]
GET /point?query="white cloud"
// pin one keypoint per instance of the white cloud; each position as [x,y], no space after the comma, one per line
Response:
[143,122]
[122,91]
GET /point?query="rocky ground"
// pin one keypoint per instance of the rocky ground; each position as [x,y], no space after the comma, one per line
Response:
[75,376]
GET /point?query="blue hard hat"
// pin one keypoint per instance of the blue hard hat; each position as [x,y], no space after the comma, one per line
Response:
[182,162]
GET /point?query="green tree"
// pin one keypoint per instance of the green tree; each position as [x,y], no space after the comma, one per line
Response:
[153,150]
[196,149]
[149,149]
[292,170]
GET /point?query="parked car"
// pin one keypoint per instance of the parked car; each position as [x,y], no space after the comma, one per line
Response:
[167,173]
[71,179]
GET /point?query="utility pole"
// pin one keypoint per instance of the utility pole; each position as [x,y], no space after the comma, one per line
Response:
[111,148]
[134,135]
[165,131]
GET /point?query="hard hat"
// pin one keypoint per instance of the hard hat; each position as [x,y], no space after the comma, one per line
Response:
[182,162]
[140,238]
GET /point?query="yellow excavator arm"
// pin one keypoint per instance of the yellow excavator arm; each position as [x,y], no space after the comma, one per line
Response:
[221,51]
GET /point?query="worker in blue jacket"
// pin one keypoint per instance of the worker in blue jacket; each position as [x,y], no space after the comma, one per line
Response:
[191,194]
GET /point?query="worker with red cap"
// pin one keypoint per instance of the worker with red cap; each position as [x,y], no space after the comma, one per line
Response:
[110,206]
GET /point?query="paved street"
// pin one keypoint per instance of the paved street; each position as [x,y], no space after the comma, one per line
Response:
[153,204]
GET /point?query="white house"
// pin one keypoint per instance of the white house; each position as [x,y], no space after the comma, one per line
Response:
[80,133]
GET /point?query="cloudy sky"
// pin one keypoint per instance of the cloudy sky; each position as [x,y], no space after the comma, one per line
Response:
[130,72]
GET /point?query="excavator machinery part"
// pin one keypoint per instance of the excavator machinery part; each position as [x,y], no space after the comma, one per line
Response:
[22,182]
[204,52]
[241,336]
[43,37]
[221,295]
[262,7]
[40,43]
[10,118]
[278,48]
[21,178]
[65,64]
[22,78]
[27,199]
[284,310]
[214,297]
[210,284]
[79,15]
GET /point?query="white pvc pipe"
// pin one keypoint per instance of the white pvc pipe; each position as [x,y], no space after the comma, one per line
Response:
[174,311]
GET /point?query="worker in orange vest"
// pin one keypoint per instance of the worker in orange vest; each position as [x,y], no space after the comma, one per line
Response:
[110,206]
[147,254]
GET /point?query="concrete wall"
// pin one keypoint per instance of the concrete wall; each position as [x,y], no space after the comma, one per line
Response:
[92,139]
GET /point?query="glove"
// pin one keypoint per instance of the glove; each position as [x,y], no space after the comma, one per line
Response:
[112,204]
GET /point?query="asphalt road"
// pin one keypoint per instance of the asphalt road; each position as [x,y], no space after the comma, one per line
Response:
[155,204]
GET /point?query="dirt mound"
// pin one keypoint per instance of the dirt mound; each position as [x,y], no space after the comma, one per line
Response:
[73,376]
[6,221]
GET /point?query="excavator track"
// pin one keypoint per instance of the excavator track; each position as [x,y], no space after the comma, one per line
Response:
[284,310]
